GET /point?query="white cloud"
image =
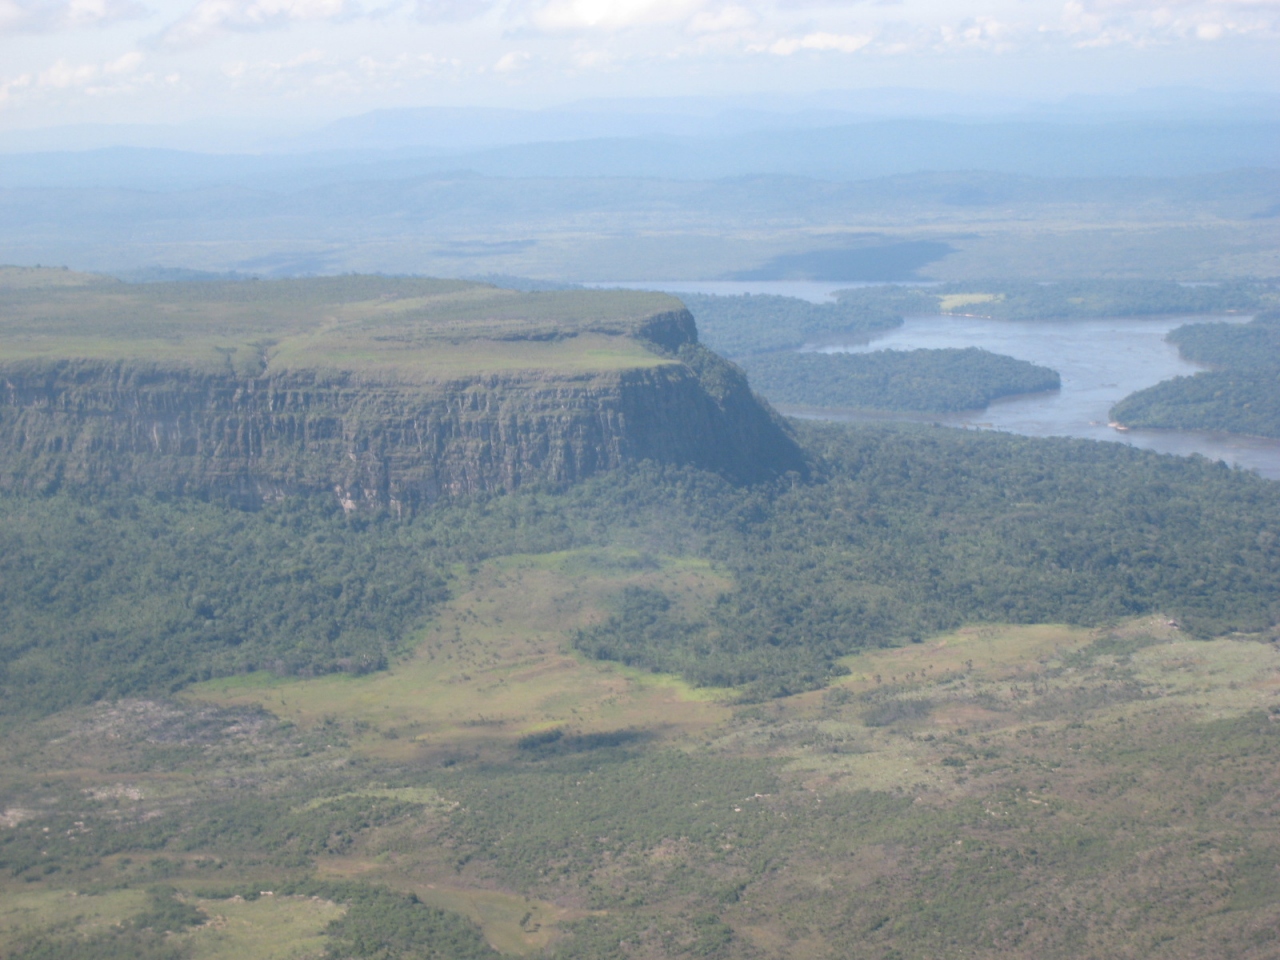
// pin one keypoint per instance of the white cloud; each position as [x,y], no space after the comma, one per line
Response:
[316,70]
[982,33]
[452,11]
[820,41]
[914,27]
[125,64]
[726,19]
[593,59]
[1140,23]
[12,86]
[211,17]
[271,69]
[513,61]
[62,75]
[65,78]
[26,16]
[570,15]
[403,67]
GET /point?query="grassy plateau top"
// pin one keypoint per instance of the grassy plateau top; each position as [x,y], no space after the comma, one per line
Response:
[402,329]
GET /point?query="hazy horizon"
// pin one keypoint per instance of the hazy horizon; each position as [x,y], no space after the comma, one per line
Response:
[293,65]
[453,128]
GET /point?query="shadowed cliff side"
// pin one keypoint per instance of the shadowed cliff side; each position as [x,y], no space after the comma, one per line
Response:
[519,403]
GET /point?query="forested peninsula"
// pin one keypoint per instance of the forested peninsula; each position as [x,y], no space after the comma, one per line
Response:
[1239,394]
[911,381]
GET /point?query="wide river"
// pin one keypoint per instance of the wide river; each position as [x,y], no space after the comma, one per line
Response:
[1101,362]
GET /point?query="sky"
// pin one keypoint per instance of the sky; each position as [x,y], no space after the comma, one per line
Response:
[291,63]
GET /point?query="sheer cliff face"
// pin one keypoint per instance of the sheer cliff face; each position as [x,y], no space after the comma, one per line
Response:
[379,440]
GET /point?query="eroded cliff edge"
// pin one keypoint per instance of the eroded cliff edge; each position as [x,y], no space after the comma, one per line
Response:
[545,402]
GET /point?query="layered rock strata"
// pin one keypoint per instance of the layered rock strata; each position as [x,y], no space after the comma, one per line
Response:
[165,428]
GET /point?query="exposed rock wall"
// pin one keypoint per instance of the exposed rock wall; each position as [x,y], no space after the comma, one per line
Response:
[87,424]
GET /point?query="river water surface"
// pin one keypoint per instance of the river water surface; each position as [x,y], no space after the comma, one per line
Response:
[1101,362]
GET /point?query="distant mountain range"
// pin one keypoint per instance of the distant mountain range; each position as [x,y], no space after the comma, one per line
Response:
[852,151]
[454,129]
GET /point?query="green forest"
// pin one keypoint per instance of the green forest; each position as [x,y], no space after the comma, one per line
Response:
[920,381]
[1238,395]
[901,533]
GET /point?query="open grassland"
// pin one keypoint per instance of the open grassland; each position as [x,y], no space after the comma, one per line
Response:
[955,302]
[513,924]
[589,353]
[1059,777]
[405,329]
[268,928]
[265,928]
[895,720]
[493,665]
[38,908]
[997,791]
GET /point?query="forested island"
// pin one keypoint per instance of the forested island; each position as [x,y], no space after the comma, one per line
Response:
[912,381]
[454,624]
